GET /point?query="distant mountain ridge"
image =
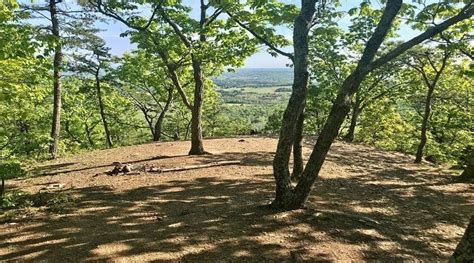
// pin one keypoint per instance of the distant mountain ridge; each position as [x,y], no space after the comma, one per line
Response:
[256,77]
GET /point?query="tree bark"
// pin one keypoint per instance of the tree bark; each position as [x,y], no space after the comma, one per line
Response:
[295,105]
[57,65]
[468,173]
[2,190]
[354,117]
[159,122]
[424,124]
[89,134]
[108,137]
[288,198]
[464,251]
[428,102]
[298,163]
[197,147]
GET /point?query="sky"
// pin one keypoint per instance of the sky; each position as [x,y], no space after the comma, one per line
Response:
[261,59]
[119,45]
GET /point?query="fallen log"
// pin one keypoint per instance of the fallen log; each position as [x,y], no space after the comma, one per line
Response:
[192,167]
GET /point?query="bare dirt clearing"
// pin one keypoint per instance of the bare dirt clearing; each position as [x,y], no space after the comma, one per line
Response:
[367,204]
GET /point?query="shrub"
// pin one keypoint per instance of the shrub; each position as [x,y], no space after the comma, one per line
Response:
[54,202]
[9,170]
[15,199]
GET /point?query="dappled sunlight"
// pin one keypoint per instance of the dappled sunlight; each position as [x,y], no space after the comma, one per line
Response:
[391,212]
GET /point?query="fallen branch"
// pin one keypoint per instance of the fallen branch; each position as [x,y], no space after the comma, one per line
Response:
[192,167]
[362,219]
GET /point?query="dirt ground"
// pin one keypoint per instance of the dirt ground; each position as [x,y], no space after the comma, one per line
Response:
[367,205]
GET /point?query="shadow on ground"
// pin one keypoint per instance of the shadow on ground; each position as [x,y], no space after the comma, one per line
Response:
[210,218]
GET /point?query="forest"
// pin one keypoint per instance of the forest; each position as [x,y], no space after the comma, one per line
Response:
[355,144]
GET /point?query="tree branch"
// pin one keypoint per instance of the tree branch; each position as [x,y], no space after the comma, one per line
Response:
[176,28]
[107,12]
[261,38]
[213,17]
[466,13]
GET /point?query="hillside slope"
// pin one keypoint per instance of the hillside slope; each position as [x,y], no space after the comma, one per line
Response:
[367,204]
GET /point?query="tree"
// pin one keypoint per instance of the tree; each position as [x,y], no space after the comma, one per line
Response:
[142,79]
[381,83]
[81,118]
[256,24]
[289,197]
[95,63]
[205,42]
[334,53]
[430,66]
[23,89]
[65,26]
[57,67]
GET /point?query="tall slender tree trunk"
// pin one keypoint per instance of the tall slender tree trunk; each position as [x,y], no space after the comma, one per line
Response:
[159,122]
[298,162]
[288,198]
[197,146]
[424,124]
[108,137]
[428,103]
[354,117]
[89,135]
[57,65]
[149,121]
[2,188]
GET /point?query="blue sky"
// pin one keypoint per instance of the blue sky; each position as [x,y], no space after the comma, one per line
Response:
[262,59]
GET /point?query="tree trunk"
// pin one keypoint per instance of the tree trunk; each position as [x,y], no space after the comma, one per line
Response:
[295,105]
[57,64]
[149,121]
[108,137]
[161,117]
[424,124]
[89,135]
[197,146]
[288,198]
[186,133]
[468,173]
[428,103]
[2,190]
[354,117]
[298,164]
[465,250]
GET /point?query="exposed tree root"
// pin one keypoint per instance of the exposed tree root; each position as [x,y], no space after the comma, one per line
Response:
[362,219]
[192,167]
